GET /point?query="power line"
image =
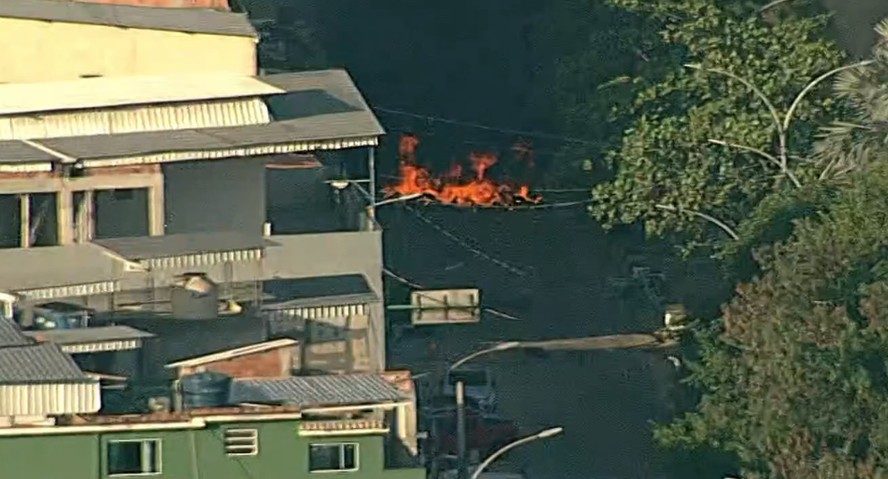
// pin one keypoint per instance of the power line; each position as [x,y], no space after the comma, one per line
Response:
[414,285]
[543,206]
[534,134]
[476,251]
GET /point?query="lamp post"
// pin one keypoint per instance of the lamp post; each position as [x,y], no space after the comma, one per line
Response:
[546,433]
[462,466]
[781,125]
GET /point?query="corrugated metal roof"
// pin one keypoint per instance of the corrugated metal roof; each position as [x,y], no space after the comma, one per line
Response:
[151,247]
[53,266]
[321,110]
[11,335]
[340,126]
[87,93]
[18,152]
[190,20]
[336,82]
[233,353]
[158,117]
[318,291]
[88,335]
[316,391]
[39,363]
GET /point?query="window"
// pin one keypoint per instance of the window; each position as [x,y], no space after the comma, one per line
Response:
[333,457]
[241,442]
[134,457]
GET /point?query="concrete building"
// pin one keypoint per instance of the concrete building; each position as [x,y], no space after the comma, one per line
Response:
[135,156]
[108,196]
[213,4]
[63,40]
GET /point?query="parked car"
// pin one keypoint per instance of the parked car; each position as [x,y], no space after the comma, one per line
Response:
[478,383]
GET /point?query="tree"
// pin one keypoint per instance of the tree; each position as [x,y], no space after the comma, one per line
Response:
[862,140]
[697,152]
[793,375]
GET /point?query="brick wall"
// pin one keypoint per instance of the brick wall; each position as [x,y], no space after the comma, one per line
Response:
[215,4]
[266,364]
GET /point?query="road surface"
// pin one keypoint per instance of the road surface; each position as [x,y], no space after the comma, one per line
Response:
[605,400]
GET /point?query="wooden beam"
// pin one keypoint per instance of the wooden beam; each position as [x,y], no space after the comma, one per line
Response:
[25,220]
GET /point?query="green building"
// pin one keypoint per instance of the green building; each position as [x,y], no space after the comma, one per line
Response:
[239,444]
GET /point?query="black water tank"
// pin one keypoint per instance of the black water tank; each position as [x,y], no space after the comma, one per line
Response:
[206,389]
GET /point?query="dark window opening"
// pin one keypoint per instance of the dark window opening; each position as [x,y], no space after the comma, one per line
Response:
[134,457]
[10,221]
[333,457]
[44,226]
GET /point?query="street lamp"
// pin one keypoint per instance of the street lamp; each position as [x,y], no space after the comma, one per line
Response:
[462,468]
[781,125]
[546,433]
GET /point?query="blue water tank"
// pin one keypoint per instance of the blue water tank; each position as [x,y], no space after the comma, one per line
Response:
[206,389]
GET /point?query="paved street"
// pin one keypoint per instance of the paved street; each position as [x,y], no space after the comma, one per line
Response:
[604,399]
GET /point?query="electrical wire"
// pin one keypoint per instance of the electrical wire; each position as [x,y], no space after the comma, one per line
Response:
[472,249]
[533,134]
[415,285]
[543,206]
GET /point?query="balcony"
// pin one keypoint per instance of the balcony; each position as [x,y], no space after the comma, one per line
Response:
[302,197]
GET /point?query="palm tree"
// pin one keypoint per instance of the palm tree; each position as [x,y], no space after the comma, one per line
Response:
[845,146]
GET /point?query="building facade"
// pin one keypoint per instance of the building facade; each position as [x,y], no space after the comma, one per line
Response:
[213,4]
[244,446]
[71,40]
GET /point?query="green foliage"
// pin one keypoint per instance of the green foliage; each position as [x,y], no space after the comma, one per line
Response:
[773,220]
[794,375]
[666,167]
[863,139]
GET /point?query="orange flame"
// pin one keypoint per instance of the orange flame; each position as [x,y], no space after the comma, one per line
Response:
[452,188]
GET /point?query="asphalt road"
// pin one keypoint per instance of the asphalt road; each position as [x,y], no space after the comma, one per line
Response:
[605,400]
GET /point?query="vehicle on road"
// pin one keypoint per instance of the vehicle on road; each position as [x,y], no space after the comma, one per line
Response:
[478,383]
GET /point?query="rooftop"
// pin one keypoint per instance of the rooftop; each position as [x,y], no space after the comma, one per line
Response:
[38,364]
[317,391]
[108,92]
[233,353]
[179,20]
[64,337]
[317,111]
[168,246]
[318,291]
[38,268]
[11,335]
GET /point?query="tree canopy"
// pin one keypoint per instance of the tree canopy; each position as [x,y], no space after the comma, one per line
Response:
[794,373]
[696,153]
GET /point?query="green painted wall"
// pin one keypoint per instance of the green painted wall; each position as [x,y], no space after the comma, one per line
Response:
[50,457]
[191,454]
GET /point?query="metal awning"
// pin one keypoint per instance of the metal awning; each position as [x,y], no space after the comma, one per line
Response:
[93,340]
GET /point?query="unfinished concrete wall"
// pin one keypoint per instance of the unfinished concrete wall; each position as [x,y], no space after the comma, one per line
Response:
[275,363]
[215,195]
[313,255]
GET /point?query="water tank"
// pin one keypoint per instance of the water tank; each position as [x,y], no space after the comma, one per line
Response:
[205,389]
[195,296]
